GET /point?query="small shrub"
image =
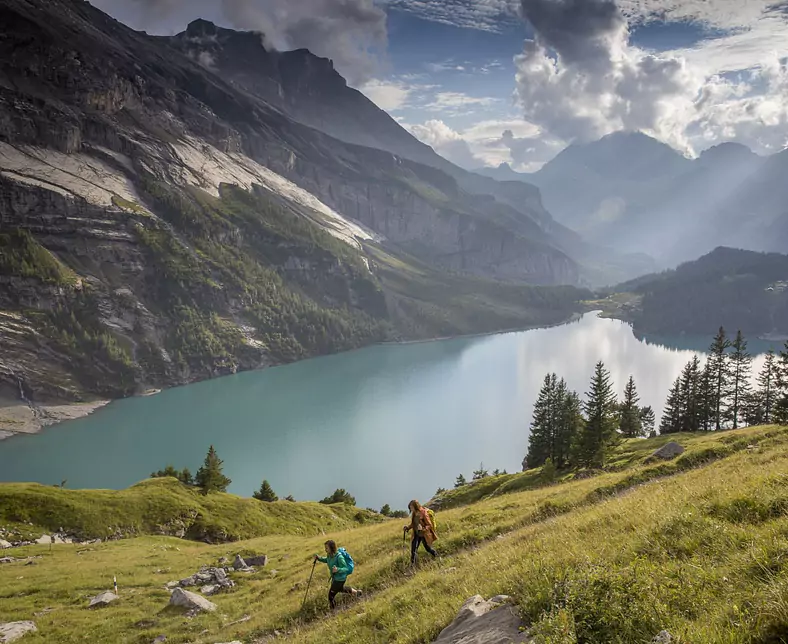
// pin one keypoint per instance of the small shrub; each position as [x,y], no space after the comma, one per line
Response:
[340,495]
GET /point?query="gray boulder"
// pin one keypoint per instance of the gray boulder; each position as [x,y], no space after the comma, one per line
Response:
[240,563]
[4,544]
[190,601]
[103,599]
[12,631]
[484,622]
[261,560]
[668,451]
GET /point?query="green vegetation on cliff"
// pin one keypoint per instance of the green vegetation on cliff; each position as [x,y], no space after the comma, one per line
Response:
[696,546]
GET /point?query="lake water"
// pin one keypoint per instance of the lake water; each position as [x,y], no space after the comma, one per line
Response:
[388,423]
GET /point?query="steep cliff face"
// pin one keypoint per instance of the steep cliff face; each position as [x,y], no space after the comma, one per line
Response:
[160,225]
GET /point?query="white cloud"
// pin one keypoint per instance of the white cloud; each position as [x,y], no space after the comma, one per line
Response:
[387,95]
[581,77]
[447,142]
[453,103]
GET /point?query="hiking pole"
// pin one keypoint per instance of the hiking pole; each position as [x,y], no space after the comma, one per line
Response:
[309,583]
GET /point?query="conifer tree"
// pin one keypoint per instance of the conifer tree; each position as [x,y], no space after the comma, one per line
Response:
[599,431]
[209,477]
[706,398]
[629,413]
[570,425]
[542,435]
[781,391]
[719,368]
[265,493]
[761,402]
[647,420]
[460,481]
[671,414]
[740,367]
[689,405]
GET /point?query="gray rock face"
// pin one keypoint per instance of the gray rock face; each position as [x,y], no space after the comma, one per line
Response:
[668,451]
[103,599]
[484,622]
[12,631]
[190,601]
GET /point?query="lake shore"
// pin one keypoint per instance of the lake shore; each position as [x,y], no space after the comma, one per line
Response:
[18,417]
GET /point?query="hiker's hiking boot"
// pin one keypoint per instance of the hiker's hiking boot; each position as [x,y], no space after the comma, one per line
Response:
[357,592]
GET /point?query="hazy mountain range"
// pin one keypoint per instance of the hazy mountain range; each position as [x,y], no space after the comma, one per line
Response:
[630,191]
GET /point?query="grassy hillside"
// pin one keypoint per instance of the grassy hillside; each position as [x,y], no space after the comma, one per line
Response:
[697,546]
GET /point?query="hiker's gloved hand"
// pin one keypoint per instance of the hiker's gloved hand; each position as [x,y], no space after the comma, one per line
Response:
[315,557]
[406,528]
[334,569]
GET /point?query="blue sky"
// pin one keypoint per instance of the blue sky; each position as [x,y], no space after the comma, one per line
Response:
[491,81]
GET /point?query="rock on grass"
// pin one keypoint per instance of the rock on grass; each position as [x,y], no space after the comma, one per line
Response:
[190,601]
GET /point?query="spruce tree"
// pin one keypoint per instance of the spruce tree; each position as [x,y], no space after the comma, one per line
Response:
[741,367]
[781,391]
[689,403]
[767,388]
[265,493]
[599,431]
[570,425]
[719,368]
[542,435]
[209,477]
[706,398]
[629,412]
[460,481]
[670,422]
[647,420]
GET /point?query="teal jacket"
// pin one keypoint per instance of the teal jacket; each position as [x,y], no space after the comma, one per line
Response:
[339,561]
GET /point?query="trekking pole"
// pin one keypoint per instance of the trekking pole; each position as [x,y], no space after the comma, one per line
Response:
[309,583]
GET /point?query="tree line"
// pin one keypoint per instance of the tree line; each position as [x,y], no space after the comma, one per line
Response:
[569,432]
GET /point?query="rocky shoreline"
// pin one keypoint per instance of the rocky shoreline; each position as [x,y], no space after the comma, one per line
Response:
[20,417]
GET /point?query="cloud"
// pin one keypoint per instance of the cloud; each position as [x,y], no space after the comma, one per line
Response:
[350,32]
[483,15]
[454,103]
[581,76]
[387,95]
[446,142]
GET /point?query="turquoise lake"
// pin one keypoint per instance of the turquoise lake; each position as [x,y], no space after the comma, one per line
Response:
[387,423]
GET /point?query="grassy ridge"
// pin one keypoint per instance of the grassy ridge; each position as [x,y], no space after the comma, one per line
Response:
[700,550]
[164,506]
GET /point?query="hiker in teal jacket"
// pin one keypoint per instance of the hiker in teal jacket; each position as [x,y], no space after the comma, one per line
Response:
[339,571]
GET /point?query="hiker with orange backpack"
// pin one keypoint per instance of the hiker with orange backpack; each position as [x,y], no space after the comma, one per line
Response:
[422,524]
[340,564]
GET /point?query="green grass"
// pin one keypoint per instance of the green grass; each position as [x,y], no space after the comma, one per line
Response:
[700,549]
[22,256]
[164,506]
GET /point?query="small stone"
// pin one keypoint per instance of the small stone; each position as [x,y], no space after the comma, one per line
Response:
[4,544]
[160,639]
[173,584]
[663,637]
[189,581]
[103,599]
[500,599]
[190,601]
[239,563]
[203,577]
[218,574]
[208,590]
[223,561]
[7,560]
[12,631]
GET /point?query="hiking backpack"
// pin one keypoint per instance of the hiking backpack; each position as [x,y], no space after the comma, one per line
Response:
[348,560]
[431,515]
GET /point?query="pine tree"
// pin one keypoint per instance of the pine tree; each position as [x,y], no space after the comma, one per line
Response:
[689,403]
[629,413]
[647,420]
[719,368]
[460,481]
[481,473]
[741,366]
[762,409]
[706,398]
[209,477]
[386,510]
[265,493]
[570,425]
[599,431]
[542,435]
[781,391]
[671,414]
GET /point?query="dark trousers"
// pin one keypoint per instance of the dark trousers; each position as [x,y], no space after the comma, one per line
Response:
[414,546]
[336,588]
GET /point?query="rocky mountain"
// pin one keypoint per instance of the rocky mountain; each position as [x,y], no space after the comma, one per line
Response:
[729,287]
[631,192]
[162,221]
